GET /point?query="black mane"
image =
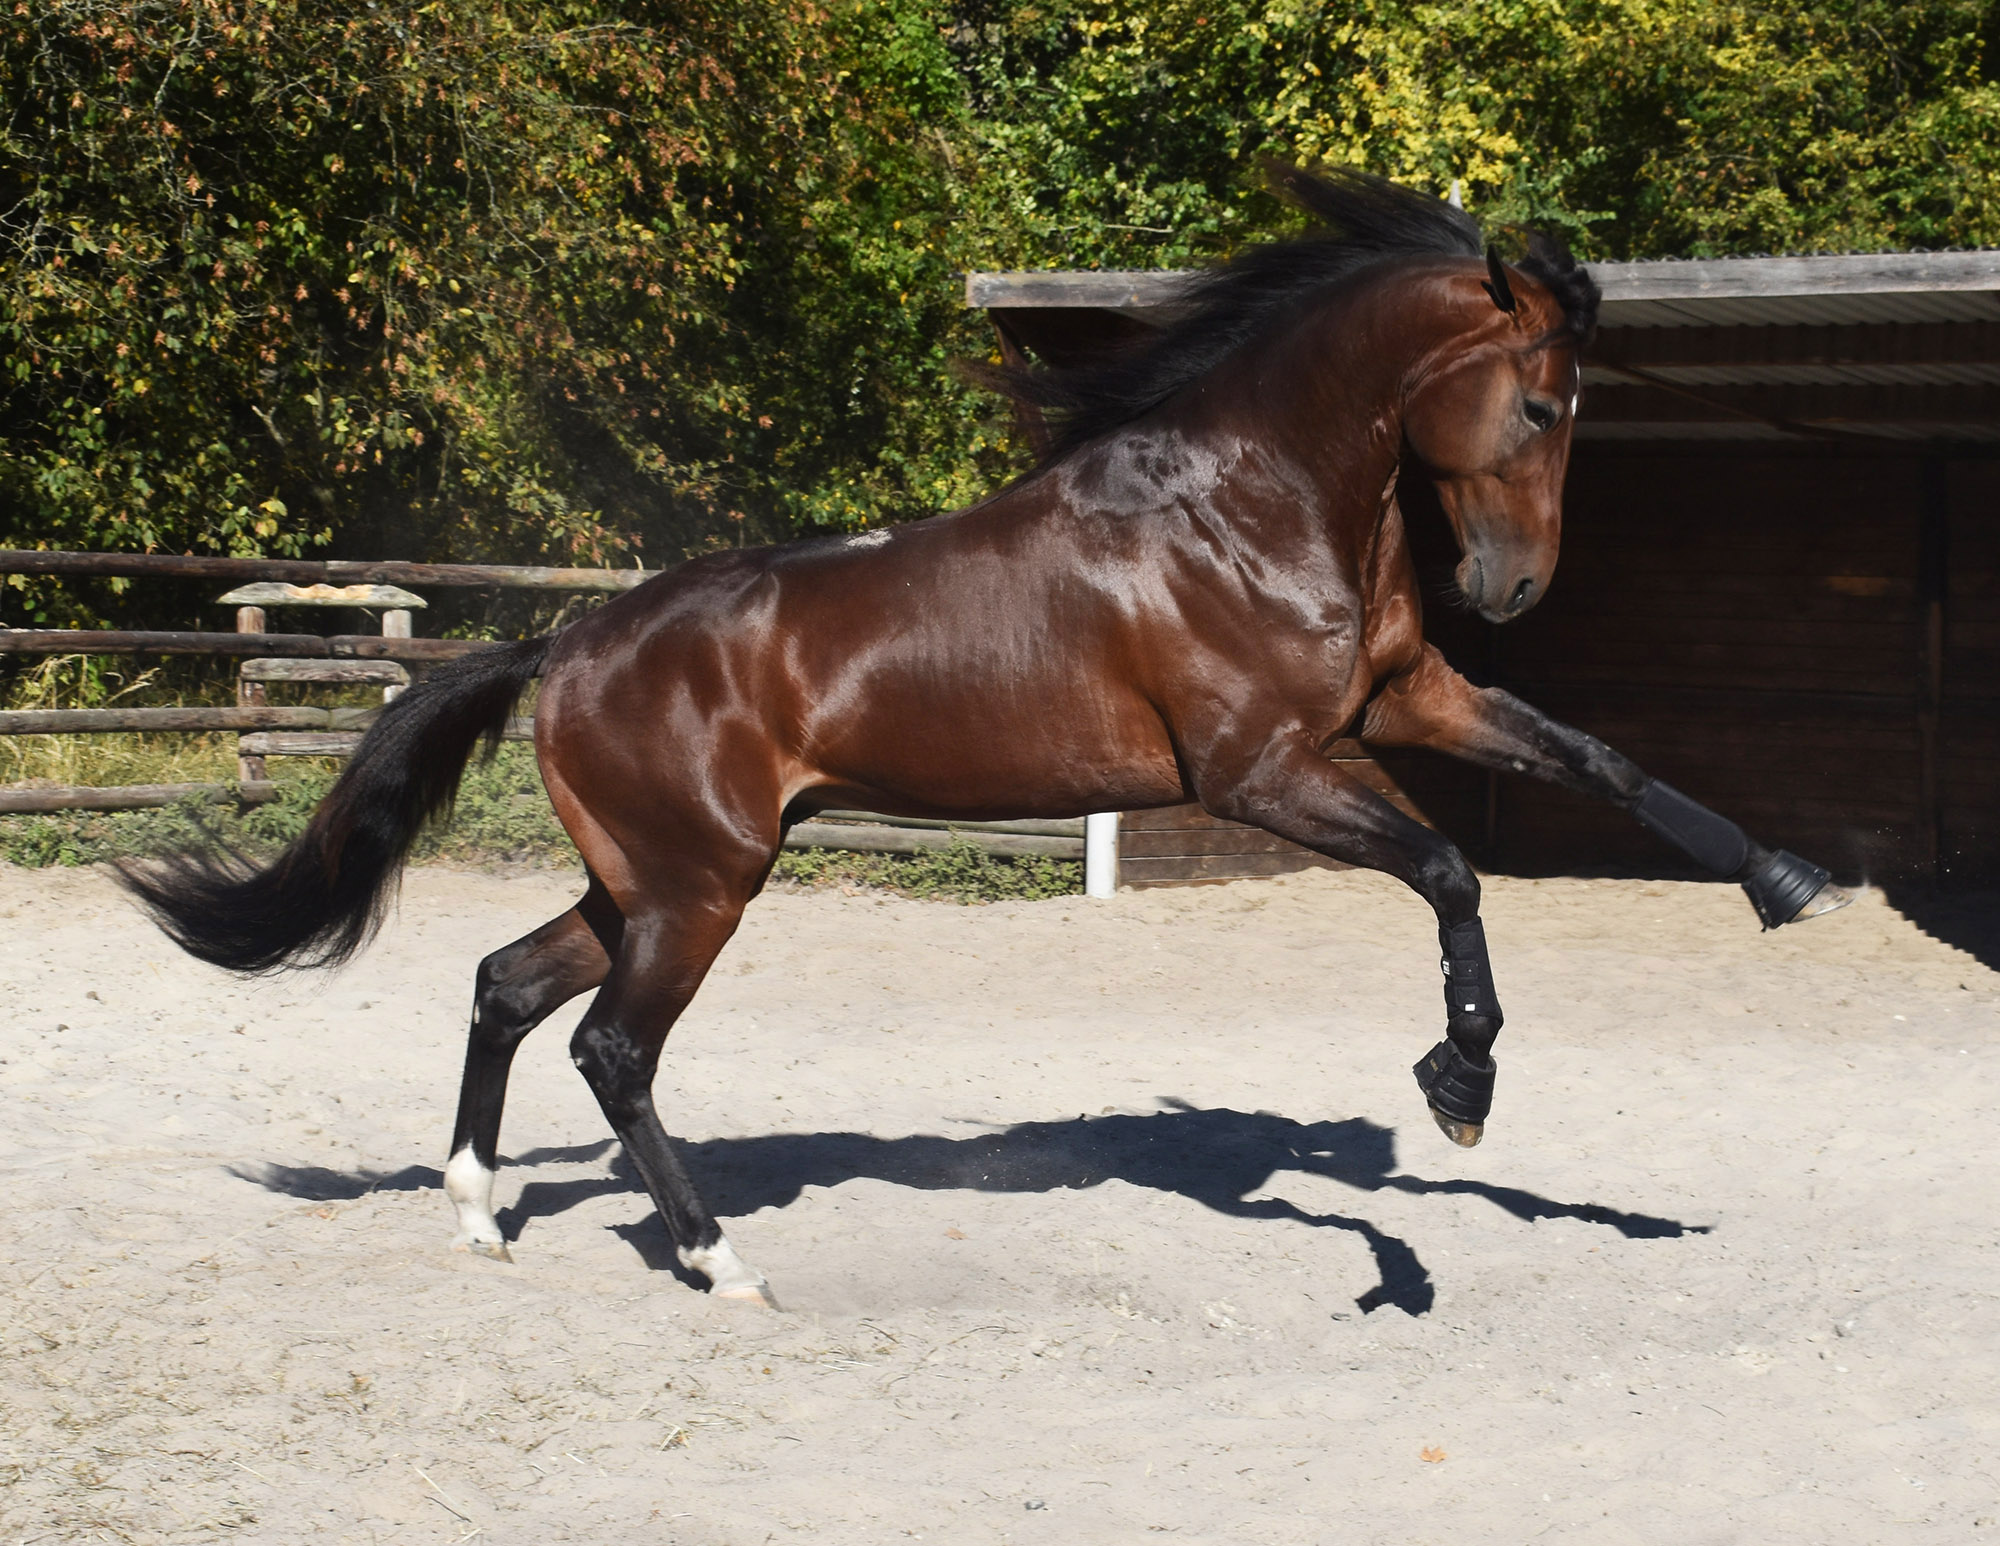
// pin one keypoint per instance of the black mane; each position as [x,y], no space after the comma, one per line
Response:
[1363,219]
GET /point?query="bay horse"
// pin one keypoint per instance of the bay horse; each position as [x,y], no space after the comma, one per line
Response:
[1203,587]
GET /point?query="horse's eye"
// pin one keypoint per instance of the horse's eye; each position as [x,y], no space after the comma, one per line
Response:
[1542,415]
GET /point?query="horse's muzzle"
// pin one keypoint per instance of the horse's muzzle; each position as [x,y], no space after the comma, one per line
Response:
[1493,592]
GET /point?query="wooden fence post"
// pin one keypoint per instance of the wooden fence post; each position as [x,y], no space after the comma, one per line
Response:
[395,625]
[249,695]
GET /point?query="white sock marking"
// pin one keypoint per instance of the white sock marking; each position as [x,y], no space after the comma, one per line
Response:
[728,1274]
[469,1185]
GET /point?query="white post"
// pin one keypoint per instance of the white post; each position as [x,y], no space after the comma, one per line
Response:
[249,695]
[1100,854]
[395,625]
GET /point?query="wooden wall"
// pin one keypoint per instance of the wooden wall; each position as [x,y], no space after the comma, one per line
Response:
[1970,772]
[1805,638]
[1755,627]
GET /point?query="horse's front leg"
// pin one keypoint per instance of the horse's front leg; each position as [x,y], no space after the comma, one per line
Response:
[1432,705]
[1293,791]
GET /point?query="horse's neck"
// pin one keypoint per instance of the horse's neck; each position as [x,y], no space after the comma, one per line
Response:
[1323,405]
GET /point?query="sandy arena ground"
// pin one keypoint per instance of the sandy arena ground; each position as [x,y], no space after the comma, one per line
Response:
[1092,1223]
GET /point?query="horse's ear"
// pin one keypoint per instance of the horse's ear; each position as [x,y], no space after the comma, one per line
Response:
[1497,286]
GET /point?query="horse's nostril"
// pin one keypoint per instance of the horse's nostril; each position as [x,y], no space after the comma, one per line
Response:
[1521,594]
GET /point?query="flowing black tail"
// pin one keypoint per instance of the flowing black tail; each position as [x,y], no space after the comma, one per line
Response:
[324,897]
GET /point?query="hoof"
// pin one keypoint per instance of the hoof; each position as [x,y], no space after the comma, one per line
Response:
[1459,1093]
[1789,889]
[758,1293]
[495,1250]
[1828,899]
[1465,1134]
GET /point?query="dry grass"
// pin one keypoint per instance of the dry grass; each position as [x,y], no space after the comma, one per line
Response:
[110,760]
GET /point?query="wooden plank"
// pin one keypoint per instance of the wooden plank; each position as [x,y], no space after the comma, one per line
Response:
[294,571]
[104,721]
[93,641]
[860,837]
[341,742]
[1864,273]
[504,576]
[366,646]
[1055,827]
[384,672]
[370,646]
[1110,289]
[127,797]
[300,743]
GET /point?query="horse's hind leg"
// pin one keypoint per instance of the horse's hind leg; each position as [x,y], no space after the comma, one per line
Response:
[663,957]
[519,986]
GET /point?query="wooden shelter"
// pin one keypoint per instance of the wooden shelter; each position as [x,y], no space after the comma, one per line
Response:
[1780,580]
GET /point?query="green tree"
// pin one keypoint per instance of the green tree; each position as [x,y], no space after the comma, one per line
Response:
[494,278]
[1641,128]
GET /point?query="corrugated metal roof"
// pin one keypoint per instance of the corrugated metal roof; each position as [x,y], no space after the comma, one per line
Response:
[1806,375]
[1808,310]
[1838,288]
[1708,431]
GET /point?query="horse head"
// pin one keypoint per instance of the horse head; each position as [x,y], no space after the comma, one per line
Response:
[1490,418]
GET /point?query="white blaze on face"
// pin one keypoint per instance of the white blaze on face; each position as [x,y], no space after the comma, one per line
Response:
[469,1185]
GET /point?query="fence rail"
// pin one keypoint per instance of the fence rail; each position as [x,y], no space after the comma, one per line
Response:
[291,646]
[305,571]
[128,797]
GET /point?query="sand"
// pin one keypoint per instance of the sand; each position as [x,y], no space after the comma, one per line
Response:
[1091,1222]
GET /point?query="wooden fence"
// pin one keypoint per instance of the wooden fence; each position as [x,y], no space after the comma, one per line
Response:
[266,730]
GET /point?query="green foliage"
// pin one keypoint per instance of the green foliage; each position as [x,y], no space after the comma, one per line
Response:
[1642,128]
[472,278]
[958,873]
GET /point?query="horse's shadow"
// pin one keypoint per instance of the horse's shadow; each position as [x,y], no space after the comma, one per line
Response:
[1216,1157]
